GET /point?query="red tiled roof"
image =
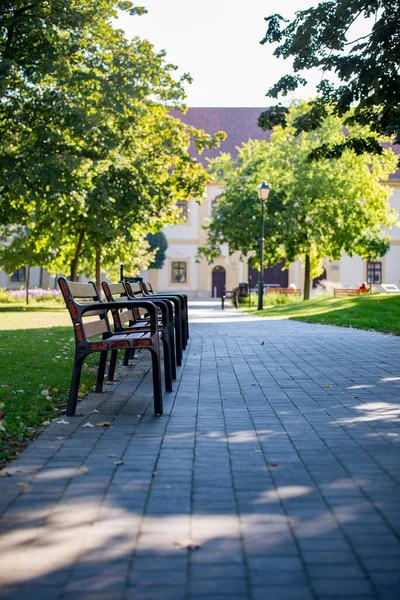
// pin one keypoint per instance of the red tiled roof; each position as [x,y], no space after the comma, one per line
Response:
[240,125]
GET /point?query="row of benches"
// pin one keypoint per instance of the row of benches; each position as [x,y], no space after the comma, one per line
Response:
[141,318]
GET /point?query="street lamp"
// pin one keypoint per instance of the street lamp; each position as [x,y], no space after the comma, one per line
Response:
[263,192]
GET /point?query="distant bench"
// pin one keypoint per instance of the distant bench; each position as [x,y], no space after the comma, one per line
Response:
[230,295]
[349,292]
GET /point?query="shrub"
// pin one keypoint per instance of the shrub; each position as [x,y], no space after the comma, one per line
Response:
[326,287]
[270,299]
[35,294]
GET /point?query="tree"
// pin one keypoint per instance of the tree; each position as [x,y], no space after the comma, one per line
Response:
[315,210]
[90,158]
[158,244]
[43,37]
[368,69]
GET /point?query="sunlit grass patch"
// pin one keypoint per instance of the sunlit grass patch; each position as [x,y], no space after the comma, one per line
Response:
[379,312]
[37,350]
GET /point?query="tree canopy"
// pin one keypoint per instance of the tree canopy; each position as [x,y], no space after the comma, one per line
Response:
[368,68]
[91,159]
[315,209]
[158,244]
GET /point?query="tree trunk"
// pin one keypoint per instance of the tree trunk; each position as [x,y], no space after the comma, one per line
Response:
[307,278]
[75,262]
[27,278]
[98,268]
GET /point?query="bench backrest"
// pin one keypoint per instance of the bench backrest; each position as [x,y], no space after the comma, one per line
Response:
[77,296]
[114,292]
[134,289]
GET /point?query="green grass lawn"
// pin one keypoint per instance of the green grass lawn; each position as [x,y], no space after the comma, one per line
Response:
[37,349]
[380,312]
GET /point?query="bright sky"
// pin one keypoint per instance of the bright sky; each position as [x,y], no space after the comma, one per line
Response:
[217,42]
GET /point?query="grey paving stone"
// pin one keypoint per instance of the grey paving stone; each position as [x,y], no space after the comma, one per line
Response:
[339,588]
[154,592]
[254,459]
[281,593]
[220,586]
[158,577]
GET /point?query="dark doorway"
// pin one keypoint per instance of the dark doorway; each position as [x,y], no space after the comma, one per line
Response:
[218,281]
[318,279]
[273,275]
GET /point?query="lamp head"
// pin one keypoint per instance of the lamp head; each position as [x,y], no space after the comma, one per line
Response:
[263,191]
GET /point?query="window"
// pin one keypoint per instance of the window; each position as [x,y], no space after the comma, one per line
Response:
[183,206]
[18,275]
[178,274]
[374,272]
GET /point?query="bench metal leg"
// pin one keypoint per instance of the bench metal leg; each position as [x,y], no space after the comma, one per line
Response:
[74,389]
[172,347]
[127,355]
[167,363]
[157,387]
[113,362]
[100,372]
[178,342]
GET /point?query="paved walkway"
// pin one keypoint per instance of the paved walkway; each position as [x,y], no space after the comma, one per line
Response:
[277,455]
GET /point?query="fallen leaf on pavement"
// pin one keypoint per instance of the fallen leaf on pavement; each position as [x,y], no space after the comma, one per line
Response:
[103,424]
[23,485]
[187,544]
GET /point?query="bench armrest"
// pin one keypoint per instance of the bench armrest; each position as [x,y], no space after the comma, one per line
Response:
[107,306]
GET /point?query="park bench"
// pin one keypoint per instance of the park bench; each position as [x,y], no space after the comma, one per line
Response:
[230,295]
[129,320]
[135,290]
[93,333]
[338,292]
[390,288]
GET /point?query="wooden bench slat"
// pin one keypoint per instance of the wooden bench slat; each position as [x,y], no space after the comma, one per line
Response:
[95,328]
[126,316]
[82,290]
[117,288]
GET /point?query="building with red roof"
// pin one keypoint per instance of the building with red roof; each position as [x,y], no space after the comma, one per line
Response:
[182,269]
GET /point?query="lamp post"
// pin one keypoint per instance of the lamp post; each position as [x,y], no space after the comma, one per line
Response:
[263,192]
